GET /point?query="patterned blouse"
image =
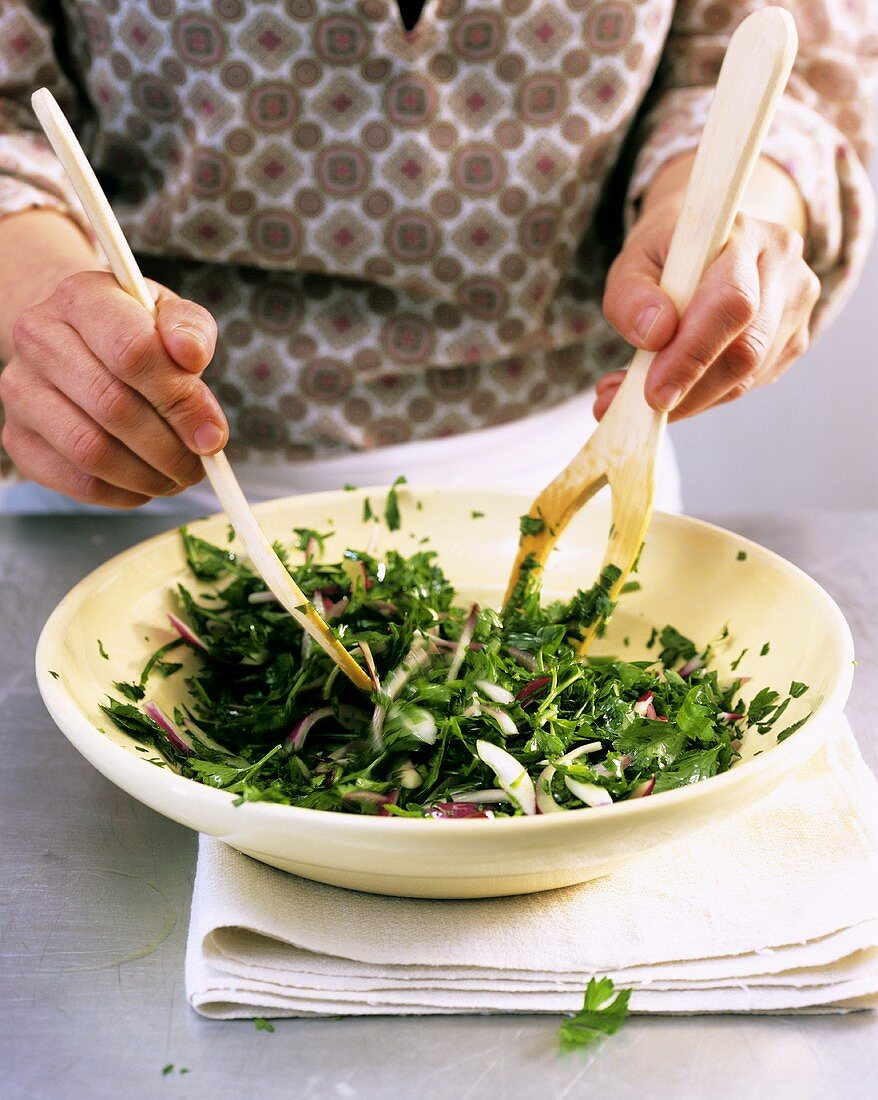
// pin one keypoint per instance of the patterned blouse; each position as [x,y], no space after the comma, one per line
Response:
[404,235]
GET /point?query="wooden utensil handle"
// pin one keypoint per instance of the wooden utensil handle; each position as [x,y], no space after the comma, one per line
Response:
[89,192]
[754,73]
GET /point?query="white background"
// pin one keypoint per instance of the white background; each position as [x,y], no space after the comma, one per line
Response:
[810,441]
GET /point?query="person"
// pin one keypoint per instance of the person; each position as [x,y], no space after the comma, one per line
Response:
[389,226]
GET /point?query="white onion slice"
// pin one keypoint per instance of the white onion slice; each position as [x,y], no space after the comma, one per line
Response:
[495,692]
[466,636]
[589,793]
[511,775]
[186,632]
[545,799]
[489,795]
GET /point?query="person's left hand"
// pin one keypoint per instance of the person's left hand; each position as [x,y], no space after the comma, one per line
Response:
[745,325]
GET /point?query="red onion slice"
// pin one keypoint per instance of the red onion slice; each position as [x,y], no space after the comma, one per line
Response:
[262,597]
[532,689]
[175,735]
[689,667]
[295,739]
[186,632]
[643,789]
[369,660]
[450,810]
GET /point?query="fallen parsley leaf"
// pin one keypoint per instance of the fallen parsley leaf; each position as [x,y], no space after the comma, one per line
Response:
[169,1068]
[797,688]
[53,674]
[262,1024]
[599,1016]
[477,515]
[764,649]
[102,651]
[391,508]
[742,555]
[367,510]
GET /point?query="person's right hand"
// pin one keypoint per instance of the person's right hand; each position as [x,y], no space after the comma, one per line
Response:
[105,403]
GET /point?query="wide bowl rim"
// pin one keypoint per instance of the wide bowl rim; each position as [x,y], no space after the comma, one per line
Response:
[82,733]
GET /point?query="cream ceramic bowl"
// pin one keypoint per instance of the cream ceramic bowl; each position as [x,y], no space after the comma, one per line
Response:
[691,577]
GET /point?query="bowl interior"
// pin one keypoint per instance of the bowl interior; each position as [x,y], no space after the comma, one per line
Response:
[693,576]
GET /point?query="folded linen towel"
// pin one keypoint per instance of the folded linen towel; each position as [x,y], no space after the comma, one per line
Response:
[775,910]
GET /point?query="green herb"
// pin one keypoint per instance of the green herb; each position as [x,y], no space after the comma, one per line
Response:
[243,698]
[764,649]
[54,674]
[742,555]
[797,689]
[262,1024]
[601,1015]
[169,1068]
[308,536]
[102,651]
[477,515]
[631,586]
[391,508]
[737,660]
[675,646]
[531,525]
[367,510]
[348,488]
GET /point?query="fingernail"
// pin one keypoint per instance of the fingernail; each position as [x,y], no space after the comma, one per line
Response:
[667,397]
[195,333]
[645,323]
[208,437]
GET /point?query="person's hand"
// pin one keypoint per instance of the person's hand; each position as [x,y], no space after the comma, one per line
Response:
[745,325]
[105,403]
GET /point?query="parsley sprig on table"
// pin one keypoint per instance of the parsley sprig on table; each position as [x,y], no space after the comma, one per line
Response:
[463,695]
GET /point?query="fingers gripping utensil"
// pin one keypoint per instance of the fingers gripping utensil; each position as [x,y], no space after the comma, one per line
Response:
[222,478]
[622,450]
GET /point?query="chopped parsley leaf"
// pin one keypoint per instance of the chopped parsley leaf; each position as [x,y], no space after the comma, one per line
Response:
[262,1024]
[367,510]
[601,1015]
[54,674]
[477,515]
[764,649]
[742,555]
[102,651]
[391,507]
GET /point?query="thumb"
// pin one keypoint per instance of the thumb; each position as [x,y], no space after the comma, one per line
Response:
[634,304]
[186,329]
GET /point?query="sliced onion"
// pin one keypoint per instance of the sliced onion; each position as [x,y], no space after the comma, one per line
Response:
[689,667]
[420,724]
[408,776]
[589,793]
[466,636]
[334,610]
[417,657]
[730,716]
[186,632]
[175,735]
[511,775]
[369,660]
[262,597]
[495,691]
[356,573]
[503,720]
[622,763]
[535,687]
[523,657]
[644,706]
[295,739]
[643,789]
[490,795]
[371,798]
[546,803]
[457,809]
[384,607]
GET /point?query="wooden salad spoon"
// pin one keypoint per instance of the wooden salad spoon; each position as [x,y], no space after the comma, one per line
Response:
[621,452]
[229,493]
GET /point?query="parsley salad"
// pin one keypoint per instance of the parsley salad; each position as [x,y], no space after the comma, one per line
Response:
[473,713]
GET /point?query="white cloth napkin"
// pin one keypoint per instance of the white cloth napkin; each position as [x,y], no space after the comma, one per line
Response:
[775,910]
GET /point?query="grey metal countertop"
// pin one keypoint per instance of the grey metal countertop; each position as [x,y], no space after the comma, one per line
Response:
[95,888]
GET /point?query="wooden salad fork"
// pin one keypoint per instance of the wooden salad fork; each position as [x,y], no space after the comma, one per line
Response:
[229,493]
[622,450]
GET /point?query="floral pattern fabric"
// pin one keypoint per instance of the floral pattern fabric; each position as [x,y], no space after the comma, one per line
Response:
[404,235]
